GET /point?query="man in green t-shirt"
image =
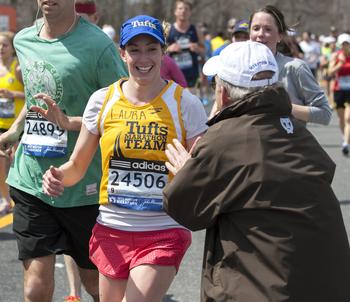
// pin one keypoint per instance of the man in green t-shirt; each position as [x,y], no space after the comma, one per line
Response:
[63,59]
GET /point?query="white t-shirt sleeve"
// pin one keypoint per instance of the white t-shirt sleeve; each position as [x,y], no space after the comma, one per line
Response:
[193,114]
[92,110]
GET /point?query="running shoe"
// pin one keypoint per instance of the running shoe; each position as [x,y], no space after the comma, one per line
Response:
[345,150]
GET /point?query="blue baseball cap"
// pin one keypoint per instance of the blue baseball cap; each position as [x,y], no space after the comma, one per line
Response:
[241,26]
[141,25]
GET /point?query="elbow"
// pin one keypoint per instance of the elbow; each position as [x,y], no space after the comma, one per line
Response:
[187,219]
[321,114]
[327,116]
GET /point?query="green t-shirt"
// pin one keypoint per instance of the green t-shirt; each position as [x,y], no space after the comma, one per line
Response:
[69,69]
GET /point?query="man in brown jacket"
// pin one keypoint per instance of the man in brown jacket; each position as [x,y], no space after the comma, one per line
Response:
[260,184]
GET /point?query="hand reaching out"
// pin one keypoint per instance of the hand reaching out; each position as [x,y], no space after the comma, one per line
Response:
[53,113]
[5,93]
[177,155]
[7,140]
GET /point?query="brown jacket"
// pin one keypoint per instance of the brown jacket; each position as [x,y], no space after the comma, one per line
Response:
[260,184]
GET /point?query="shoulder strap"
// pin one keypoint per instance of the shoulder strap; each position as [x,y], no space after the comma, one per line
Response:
[172,33]
[178,96]
[109,93]
[13,66]
[194,29]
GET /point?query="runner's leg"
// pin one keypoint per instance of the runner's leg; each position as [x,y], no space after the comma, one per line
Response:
[149,283]
[39,279]
[111,290]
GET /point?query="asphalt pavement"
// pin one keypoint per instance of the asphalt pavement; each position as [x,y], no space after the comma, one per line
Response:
[186,285]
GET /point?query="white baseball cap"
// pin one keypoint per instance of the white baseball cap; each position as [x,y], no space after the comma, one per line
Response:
[328,40]
[239,62]
[343,38]
[109,31]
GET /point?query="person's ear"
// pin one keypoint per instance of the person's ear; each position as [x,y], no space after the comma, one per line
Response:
[225,97]
[280,37]
[122,54]
[96,17]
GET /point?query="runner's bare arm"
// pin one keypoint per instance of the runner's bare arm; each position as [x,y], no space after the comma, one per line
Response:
[55,179]
[335,63]
[11,94]
[200,49]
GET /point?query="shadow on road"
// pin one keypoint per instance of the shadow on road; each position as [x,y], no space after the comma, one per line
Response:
[7,236]
[331,146]
[335,125]
[168,298]
[344,202]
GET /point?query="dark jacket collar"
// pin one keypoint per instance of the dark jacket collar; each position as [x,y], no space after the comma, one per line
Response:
[271,100]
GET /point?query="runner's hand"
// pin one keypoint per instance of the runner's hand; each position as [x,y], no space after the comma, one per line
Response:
[7,140]
[52,182]
[174,47]
[5,93]
[194,47]
[53,113]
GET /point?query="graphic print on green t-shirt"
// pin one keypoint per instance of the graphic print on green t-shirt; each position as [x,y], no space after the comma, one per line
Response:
[42,77]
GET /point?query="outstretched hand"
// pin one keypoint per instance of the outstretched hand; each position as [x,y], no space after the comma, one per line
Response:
[7,140]
[177,156]
[52,182]
[53,113]
[6,93]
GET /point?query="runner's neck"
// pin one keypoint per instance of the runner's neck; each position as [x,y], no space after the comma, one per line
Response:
[52,30]
[182,25]
[140,95]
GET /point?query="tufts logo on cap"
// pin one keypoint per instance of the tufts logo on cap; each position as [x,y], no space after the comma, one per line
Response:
[143,23]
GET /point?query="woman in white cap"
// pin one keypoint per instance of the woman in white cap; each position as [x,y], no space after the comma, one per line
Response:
[135,245]
[339,67]
[310,103]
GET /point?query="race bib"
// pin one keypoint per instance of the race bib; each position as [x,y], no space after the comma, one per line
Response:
[7,108]
[184,42]
[42,138]
[136,184]
[183,60]
[344,83]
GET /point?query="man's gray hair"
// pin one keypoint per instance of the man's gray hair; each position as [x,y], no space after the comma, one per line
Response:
[236,92]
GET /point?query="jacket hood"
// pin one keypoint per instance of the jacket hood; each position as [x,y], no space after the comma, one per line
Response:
[270,100]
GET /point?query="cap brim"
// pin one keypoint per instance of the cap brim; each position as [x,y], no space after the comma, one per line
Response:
[162,42]
[211,67]
[240,31]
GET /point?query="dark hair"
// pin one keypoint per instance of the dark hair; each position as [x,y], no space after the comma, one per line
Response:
[276,14]
[186,2]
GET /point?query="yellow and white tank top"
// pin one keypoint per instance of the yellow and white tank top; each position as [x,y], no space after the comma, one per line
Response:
[133,142]
[10,108]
